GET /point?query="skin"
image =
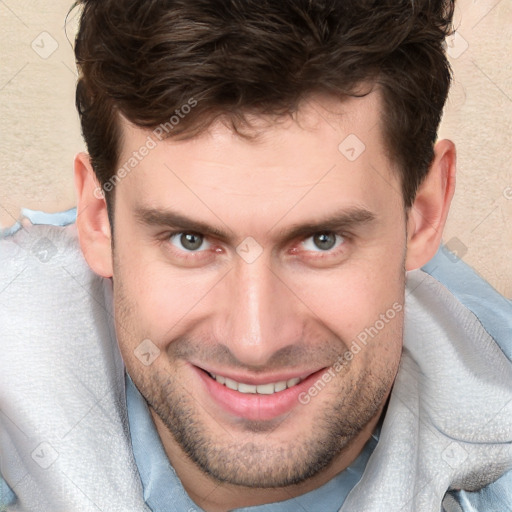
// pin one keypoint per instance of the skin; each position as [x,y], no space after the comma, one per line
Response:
[294,309]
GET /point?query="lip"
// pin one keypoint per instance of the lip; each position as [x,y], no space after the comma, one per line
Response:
[253,406]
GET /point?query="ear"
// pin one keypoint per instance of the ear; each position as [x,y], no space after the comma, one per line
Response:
[427,215]
[92,219]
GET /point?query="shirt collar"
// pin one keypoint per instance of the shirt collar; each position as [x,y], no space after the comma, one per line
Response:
[163,490]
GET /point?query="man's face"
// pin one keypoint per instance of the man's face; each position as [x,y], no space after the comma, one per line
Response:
[262,262]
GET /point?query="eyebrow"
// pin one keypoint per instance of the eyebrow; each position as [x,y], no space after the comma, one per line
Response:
[343,220]
[175,220]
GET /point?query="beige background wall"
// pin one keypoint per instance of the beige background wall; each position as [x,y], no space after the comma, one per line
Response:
[40,133]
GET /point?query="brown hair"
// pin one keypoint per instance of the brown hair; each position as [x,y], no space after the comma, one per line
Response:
[147,59]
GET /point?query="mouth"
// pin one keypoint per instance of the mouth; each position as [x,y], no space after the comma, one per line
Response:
[255,399]
[260,389]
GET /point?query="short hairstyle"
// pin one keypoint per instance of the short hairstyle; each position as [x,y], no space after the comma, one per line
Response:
[147,59]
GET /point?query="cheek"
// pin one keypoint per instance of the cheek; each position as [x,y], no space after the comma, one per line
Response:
[353,297]
[157,299]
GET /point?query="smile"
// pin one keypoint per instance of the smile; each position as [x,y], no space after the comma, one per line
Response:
[261,389]
[256,398]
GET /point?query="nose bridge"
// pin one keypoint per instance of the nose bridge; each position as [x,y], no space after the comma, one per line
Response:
[261,317]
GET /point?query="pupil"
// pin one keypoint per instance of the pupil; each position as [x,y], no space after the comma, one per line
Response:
[191,241]
[325,241]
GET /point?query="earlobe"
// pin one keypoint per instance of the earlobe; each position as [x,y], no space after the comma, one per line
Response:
[92,218]
[427,215]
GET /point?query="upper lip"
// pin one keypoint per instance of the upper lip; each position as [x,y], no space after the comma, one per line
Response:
[257,380]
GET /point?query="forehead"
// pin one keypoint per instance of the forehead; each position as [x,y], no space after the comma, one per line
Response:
[331,152]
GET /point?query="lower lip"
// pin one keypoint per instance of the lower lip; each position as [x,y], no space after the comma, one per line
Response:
[253,406]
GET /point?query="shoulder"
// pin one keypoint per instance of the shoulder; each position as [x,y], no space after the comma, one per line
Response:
[494,312]
[60,373]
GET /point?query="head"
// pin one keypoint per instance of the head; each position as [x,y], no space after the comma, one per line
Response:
[259,178]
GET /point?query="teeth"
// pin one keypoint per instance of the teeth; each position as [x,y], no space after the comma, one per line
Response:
[293,382]
[262,389]
[231,384]
[280,386]
[246,388]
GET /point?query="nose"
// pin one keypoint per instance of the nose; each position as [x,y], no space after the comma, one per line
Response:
[262,315]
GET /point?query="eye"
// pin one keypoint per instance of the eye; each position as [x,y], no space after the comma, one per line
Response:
[190,242]
[322,242]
